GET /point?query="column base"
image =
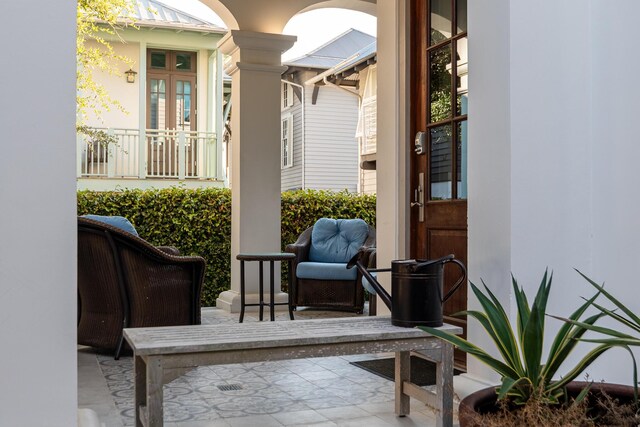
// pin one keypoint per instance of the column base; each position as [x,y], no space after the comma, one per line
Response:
[229,301]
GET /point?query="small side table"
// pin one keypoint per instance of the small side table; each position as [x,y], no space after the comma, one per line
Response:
[261,257]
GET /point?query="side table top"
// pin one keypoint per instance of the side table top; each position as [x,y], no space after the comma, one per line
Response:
[265,256]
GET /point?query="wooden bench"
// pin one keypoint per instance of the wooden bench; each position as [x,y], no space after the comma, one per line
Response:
[163,354]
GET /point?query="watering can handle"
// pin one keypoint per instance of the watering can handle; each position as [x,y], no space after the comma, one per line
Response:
[459,282]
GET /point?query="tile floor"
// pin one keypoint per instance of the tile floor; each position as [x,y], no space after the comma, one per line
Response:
[304,392]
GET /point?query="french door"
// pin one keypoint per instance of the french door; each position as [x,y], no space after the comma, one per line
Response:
[439,152]
[171,107]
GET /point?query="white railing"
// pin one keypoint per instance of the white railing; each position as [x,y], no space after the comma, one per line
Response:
[165,154]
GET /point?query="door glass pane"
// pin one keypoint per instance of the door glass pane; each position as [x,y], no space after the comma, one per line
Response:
[440,84]
[187,106]
[157,109]
[461,16]
[183,105]
[183,61]
[158,60]
[461,159]
[440,162]
[440,21]
[462,88]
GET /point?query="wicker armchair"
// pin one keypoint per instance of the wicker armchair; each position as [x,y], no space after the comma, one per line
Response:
[125,282]
[327,293]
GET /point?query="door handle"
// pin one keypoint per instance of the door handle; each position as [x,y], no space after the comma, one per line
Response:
[418,197]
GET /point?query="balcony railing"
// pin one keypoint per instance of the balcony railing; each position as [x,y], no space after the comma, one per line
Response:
[164,154]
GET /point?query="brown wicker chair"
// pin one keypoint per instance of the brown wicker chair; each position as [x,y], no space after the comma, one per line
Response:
[347,295]
[125,282]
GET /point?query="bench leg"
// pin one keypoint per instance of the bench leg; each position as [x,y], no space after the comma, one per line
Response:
[242,291]
[140,372]
[444,386]
[154,396]
[402,374]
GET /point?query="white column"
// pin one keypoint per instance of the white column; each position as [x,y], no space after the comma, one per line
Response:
[38,320]
[219,124]
[142,109]
[255,68]
[392,222]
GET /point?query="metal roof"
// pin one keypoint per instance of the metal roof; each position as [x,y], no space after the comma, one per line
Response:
[334,51]
[155,14]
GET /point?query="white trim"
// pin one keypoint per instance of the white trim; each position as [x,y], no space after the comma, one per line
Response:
[288,119]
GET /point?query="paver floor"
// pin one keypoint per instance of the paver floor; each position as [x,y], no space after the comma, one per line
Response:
[303,392]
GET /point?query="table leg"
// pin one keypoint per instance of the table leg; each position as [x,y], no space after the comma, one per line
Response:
[261,292]
[272,306]
[444,386]
[154,396]
[402,374]
[242,291]
[140,372]
[290,281]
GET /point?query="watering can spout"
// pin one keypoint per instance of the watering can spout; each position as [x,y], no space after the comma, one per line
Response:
[355,261]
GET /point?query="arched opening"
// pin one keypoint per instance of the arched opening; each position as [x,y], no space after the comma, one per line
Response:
[329,122]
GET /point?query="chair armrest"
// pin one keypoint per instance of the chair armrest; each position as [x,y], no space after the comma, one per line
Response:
[301,250]
[171,250]
[371,239]
[301,247]
[368,256]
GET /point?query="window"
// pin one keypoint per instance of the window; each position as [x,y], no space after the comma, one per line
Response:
[367,123]
[286,141]
[447,95]
[287,95]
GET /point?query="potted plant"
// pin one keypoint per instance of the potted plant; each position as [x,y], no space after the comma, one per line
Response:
[530,392]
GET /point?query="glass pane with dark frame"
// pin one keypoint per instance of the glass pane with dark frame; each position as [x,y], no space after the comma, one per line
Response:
[158,105]
[440,83]
[440,162]
[186,117]
[461,16]
[159,60]
[183,61]
[440,21]
[462,72]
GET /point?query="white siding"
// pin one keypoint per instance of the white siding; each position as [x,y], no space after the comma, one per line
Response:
[331,152]
[291,178]
[367,181]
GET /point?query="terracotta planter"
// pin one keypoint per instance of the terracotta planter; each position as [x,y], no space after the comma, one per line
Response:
[484,401]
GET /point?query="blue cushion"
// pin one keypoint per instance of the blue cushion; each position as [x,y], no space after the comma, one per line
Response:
[337,240]
[115,221]
[367,286]
[325,271]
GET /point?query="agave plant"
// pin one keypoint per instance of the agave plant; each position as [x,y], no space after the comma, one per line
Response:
[614,338]
[523,373]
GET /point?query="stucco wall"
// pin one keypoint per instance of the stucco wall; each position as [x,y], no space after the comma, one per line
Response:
[118,89]
[38,219]
[552,155]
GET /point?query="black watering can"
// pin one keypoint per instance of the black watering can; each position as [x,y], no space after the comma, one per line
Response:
[416,286]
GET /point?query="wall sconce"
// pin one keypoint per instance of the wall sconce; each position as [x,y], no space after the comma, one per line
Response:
[131,76]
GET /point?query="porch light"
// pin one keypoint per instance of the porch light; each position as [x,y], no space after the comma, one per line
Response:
[131,76]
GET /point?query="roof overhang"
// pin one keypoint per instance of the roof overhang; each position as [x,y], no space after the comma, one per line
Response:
[342,74]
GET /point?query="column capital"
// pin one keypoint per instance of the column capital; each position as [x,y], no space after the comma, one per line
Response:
[254,49]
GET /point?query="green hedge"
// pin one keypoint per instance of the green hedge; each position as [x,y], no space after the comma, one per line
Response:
[198,222]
